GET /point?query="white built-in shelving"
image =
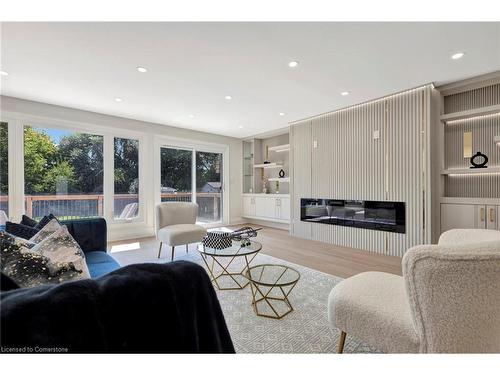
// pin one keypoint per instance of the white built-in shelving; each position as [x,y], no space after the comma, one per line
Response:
[280,148]
[483,111]
[279,179]
[268,165]
[468,171]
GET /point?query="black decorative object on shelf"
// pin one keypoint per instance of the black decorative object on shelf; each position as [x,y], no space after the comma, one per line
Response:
[482,163]
[267,162]
[281,173]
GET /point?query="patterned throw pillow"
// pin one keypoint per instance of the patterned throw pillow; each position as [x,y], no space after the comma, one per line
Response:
[25,268]
[34,267]
[26,220]
[20,230]
[45,220]
[46,231]
[64,254]
[8,238]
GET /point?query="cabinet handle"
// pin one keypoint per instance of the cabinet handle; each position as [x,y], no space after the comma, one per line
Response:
[492,215]
[482,214]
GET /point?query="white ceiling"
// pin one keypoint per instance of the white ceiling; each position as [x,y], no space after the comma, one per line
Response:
[192,66]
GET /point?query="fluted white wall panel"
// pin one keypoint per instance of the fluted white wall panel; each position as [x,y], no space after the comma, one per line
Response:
[472,99]
[349,163]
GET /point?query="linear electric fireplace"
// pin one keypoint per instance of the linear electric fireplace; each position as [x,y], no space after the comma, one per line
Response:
[375,215]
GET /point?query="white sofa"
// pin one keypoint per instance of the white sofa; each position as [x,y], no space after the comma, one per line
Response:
[447,301]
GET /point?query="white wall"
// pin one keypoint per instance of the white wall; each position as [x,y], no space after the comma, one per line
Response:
[46,114]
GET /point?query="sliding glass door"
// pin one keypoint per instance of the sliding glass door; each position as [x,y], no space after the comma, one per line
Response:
[176,174]
[209,186]
[189,175]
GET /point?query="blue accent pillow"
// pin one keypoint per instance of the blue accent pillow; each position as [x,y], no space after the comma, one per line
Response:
[20,230]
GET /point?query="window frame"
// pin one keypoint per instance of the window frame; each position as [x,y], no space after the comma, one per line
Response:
[139,217]
[17,122]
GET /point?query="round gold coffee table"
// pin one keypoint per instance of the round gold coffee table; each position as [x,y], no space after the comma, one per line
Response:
[221,264]
[271,285]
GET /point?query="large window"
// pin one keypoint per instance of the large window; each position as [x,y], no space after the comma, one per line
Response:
[126,184]
[63,173]
[4,167]
[209,186]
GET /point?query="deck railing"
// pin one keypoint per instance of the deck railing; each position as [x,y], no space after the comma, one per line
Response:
[74,206]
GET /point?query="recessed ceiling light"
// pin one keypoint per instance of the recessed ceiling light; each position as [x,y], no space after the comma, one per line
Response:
[228,97]
[293,64]
[457,55]
[118,100]
[282,113]
[3,73]
[345,93]
[240,127]
[191,116]
[142,69]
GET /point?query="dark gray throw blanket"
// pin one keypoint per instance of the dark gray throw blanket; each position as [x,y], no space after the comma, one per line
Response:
[141,308]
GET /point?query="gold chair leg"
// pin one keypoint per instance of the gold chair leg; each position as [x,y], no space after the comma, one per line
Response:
[173,250]
[159,250]
[187,248]
[340,348]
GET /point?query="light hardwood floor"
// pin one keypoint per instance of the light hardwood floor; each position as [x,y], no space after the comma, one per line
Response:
[328,258]
[335,260]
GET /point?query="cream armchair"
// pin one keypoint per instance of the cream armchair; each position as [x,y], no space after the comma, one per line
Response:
[447,301]
[175,225]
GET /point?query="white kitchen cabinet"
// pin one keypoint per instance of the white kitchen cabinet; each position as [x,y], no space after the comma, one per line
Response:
[283,205]
[248,206]
[265,208]
[270,207]
[469,216]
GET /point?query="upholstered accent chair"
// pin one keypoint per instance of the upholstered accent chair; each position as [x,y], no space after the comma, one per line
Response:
[176,225]
[447,301]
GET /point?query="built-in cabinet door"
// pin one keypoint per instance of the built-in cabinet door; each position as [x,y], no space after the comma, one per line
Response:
[480,216]
[248,206]
[492,217]
[284,209]
[265,207]
[464,216]
[460,216]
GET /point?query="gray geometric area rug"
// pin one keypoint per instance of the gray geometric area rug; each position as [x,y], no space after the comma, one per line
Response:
[305,330]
